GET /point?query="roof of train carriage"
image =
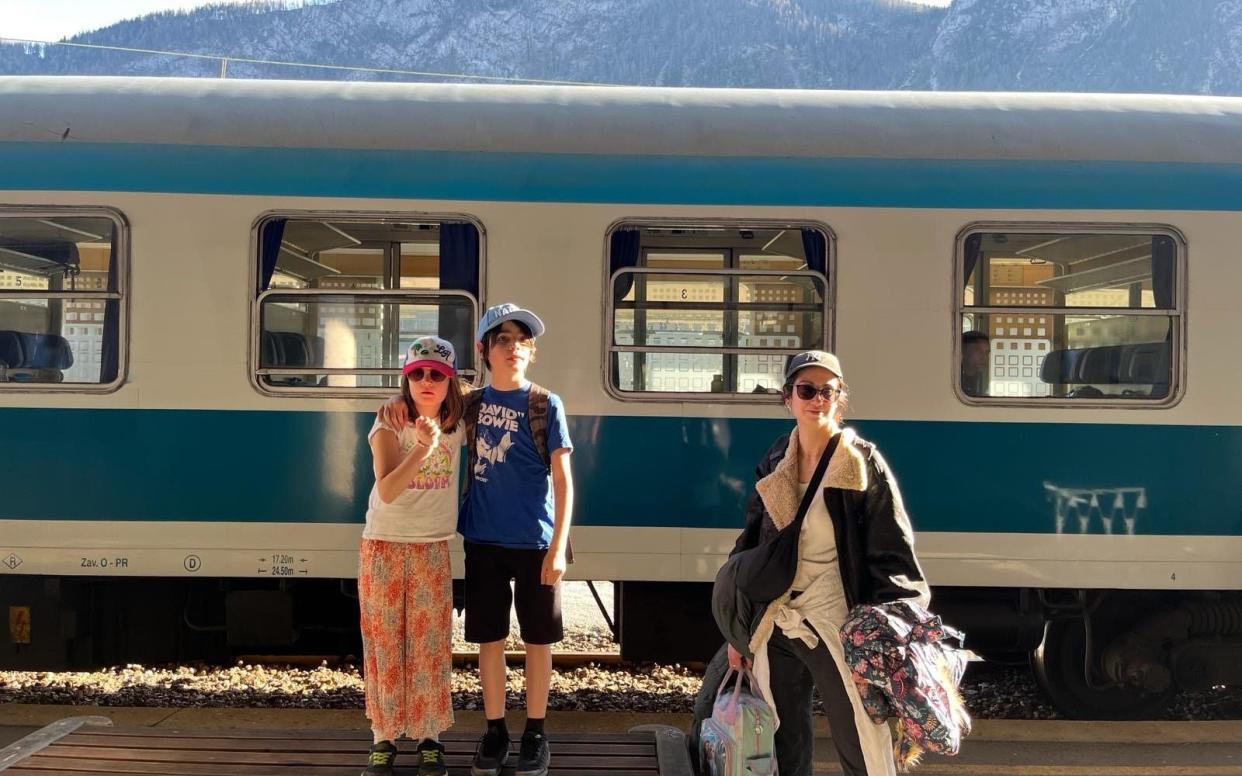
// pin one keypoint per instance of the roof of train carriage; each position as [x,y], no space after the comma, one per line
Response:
[621,120]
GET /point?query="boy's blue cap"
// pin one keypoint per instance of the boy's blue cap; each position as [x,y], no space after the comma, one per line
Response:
[508,312]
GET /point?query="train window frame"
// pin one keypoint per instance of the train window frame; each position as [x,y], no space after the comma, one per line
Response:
[1178,313]
[395,295]
[827,278]
[120,256]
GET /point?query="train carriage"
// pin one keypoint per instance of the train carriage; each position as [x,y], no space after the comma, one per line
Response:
[206,286]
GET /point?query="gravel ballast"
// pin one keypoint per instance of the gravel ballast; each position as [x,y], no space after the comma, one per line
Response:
[991,692]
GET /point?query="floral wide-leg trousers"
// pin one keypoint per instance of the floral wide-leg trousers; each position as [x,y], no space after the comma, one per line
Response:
[405,592]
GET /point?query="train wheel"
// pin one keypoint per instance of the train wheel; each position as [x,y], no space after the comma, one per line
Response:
[1058,665]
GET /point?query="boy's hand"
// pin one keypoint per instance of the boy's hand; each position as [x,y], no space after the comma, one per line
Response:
[394,413]
[553,567]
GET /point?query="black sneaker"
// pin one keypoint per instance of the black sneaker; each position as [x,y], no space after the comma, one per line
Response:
[534,756]
[383,755]
[431,758]
[491,755]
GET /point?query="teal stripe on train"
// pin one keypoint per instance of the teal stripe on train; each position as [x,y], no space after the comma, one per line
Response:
[644,471]
[534,177]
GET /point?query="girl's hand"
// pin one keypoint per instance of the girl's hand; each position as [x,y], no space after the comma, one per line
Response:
[736,661]
[428,432]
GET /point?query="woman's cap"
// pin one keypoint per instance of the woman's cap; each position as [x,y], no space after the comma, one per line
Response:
[813,358]
[430,352]
[508,312]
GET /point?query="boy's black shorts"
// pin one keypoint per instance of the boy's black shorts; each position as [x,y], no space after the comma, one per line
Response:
[489,569]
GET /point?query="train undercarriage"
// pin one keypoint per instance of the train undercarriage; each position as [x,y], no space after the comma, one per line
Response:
[1097,654]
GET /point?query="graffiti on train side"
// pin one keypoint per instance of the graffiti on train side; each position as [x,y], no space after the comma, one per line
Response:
[1097,510]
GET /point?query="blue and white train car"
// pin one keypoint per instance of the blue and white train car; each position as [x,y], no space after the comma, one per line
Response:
[206,287]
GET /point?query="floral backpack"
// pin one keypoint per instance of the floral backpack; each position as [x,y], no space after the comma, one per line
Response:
[908,664]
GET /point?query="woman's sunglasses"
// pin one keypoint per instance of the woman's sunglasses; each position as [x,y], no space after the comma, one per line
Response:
[418,373]
[806,391]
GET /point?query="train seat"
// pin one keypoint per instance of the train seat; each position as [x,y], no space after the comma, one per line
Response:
[294,347]
[11,354]
[1148,364]
[285,349]
[269,350]
[1140,364]
[30,357]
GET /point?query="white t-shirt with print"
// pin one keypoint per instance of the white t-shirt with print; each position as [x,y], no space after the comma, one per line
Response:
[426,511]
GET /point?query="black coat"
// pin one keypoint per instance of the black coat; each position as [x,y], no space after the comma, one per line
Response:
[875,541]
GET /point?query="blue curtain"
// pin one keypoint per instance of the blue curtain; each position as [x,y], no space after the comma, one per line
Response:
[1163,270]
[973,243]
[1163,267]
[623,251]
[459,270]
[110,348]
[816,249]
[459,257]
[269,249]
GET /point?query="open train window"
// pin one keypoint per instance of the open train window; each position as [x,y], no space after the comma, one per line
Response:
[339,298]
[712,310]
[62,311]
[1069,314]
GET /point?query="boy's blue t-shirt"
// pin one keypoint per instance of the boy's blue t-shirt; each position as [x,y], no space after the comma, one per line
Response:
[510,502]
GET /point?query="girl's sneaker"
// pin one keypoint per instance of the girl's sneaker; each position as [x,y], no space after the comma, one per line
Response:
[431,758]
[383,755]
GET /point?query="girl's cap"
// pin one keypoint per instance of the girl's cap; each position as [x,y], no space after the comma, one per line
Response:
[430,352]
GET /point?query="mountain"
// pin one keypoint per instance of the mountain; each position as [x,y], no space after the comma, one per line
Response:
[1174,46]
[1183,46]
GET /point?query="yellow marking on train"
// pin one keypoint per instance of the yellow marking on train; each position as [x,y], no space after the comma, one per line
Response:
[19,624]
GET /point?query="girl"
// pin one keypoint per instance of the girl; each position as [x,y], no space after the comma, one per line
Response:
[404,581]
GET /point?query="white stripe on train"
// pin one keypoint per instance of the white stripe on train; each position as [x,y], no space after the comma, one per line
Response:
[205,549]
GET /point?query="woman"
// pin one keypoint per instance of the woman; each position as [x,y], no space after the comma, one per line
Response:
[404,580]
[856,547]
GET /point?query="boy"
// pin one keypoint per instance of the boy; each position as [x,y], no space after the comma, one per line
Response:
[515,522]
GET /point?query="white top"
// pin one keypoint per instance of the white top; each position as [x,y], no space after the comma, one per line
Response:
[427,510]
[817,546]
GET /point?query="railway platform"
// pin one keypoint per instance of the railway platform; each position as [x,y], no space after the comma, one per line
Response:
[249,741]
[92,744]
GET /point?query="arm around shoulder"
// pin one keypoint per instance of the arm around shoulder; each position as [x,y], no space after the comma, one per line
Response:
[394,413]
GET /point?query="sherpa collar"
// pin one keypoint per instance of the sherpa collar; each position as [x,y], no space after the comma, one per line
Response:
[847,470]
[779,490]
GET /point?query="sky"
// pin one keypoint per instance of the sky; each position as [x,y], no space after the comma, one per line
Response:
[56,19]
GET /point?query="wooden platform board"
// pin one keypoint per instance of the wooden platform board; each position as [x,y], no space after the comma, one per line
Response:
[312,753]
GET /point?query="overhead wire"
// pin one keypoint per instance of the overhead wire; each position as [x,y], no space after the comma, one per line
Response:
[224,59]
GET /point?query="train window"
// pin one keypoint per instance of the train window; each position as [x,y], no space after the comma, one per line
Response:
[339,299]
[698,309]
[1084,316]
[62,312]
